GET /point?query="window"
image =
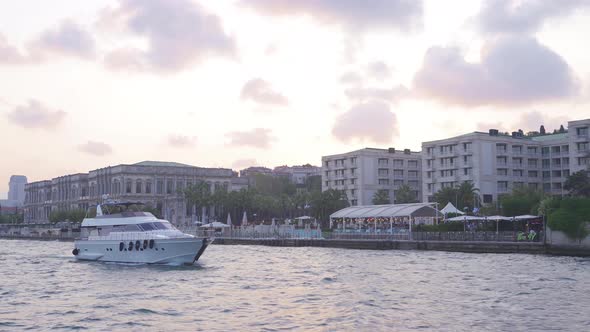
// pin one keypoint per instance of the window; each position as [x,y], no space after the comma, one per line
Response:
[532,150]
[412,174]
[546,174]
[398,183]
[398,163]
[487,198]
[502,171]
[582,147]
[138,186]
[384,181]
[582,132]
[159,186]
[148,187]
[467,147]
[467,171]
[128,187]
[179,185]
[533,174]
[517,149]
[383,161]
[383,172]
[352,181]
[327,183]
[517,172]
[398,173]
[502,186]
[169,185]
[413,163]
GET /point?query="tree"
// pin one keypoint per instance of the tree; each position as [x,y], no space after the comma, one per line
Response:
[381,196]
[542,130]
[446,195]
[578,184]
[467,195]
[197,195]
[561,129]
[571,217]
[404,195]
[323,204]
[521,201]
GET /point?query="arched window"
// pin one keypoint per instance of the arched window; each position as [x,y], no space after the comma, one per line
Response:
[128,187]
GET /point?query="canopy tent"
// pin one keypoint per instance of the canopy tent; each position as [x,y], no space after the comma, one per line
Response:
[228,221]
[215,224]
[404,213]
[450,208]
[387,211]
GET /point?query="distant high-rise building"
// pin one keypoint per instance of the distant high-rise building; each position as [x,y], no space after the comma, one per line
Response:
[16,189]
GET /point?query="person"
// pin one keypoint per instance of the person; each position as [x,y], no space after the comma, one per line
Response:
[520,236]
[532,235]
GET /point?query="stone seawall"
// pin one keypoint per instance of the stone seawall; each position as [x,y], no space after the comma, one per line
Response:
[460,246]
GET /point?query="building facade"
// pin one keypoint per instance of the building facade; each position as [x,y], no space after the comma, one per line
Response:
[157,184]
[497,163]
[16,189]
[363,172]
[298,174]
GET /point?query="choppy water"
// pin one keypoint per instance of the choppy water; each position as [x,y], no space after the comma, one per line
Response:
[249,288]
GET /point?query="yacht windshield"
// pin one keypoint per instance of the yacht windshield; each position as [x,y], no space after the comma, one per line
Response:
[152,226]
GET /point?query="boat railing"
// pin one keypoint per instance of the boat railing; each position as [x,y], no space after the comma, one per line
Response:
[132,236]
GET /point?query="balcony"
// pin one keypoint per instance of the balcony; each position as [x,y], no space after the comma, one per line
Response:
[501,163]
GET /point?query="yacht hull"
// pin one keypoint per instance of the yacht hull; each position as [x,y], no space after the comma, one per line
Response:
[175,251]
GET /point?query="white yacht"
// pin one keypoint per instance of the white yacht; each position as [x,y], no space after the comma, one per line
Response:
[135,237]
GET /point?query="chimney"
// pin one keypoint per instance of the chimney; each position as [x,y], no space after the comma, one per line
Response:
[391,150]
[493,132]
[406,151]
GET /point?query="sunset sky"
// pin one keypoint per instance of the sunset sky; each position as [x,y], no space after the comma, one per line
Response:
[87,84]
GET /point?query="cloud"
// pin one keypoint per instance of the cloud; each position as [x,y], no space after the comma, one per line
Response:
[262,92]
[244,163]
[95,148]
[523,16]
[10,54]
[36,115]
[351,77]
[257,138]
[379,70]
[180,141]
[512,71]
[400,14]
[69,38]
[371,121]
[179,33]
[389,95]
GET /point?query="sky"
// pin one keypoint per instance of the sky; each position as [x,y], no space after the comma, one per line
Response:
[238,83]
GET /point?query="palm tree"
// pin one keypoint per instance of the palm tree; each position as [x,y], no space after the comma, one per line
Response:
[197,195]
[468,195]
[405,194]
[446,195]
[381,196]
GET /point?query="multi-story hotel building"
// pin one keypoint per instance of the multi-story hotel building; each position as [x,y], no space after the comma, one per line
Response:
[155,183]
[363,172]
[496,163]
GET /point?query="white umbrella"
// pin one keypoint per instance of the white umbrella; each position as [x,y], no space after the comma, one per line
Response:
[465,218]
[525,217]
[215,224]
[244,219]
[498,218]
[228,222]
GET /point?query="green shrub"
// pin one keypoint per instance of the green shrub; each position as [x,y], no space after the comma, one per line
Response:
[571,217]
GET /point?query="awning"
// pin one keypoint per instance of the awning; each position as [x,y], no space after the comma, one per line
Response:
[450,208]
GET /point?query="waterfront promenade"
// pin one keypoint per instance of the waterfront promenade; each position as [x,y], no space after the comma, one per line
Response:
[417,243]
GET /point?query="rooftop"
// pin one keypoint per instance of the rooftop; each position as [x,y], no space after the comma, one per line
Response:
[161,163]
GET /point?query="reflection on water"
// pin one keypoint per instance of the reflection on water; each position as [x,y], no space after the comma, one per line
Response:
[271,288]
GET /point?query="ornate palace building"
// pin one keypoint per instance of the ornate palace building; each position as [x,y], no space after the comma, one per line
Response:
[155,183]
